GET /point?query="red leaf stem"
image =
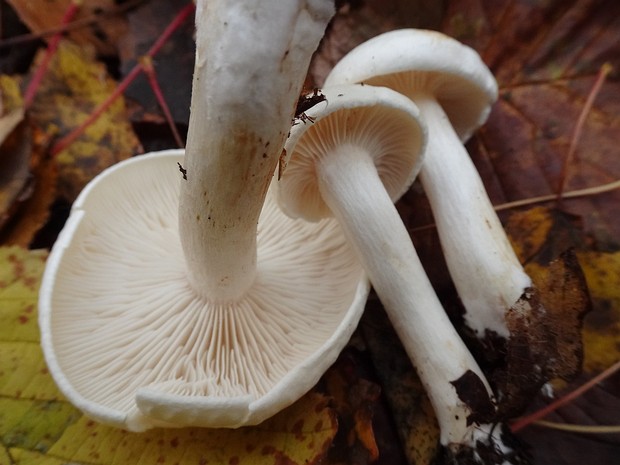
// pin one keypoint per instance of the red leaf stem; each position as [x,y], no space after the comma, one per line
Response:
[149,70]
[65,141]
[52,46]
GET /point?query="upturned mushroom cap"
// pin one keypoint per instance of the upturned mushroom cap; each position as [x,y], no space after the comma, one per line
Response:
[379,121]
[131,344]
[415,61]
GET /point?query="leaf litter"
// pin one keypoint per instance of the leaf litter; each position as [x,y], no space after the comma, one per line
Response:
[521,151]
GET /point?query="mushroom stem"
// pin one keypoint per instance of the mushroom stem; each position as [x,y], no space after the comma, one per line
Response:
[251,61]
[484,267]
[351,187]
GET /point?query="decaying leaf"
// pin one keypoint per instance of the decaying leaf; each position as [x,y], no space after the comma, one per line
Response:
[27,176]
[410,407]
[545,325]
[74,86]
[546,57]
[38,426]
[601,334]
[354,398]
[14,161]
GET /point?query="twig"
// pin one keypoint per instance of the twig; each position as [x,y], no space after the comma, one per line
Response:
[531,418]
[606,68]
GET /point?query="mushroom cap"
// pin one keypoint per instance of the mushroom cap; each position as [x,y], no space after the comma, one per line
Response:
[376,120]
[413,61]
[131,344]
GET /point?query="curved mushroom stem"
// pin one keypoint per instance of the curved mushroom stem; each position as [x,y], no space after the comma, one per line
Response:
[251,61]
[350,185]
[483,265]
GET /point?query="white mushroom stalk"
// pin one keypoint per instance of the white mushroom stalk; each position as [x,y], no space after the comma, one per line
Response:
[190,299]
[251,57]
[361,152]
[454,91]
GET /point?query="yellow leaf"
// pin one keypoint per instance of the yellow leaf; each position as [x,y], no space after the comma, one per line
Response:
[601,333]
[20,274]
[74,86]
[38,426]
[11,94]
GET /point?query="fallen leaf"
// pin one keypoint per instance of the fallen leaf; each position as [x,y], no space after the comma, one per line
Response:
[102,32]
[14,161]
[354,398]
[546,57]
[74,86]
[37,425]
[601,334]
[410,407]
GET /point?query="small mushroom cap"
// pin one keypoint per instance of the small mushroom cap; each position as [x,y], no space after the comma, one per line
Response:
[414,61]
[131,344]
[374,120]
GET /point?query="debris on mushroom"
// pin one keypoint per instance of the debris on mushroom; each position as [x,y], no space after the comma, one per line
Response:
[454,91]
[360,154]
[189,299]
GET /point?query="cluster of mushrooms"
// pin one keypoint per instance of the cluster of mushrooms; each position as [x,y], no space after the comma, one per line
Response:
[218,296]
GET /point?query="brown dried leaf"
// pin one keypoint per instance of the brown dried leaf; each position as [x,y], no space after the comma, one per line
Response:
[27,179]
[43,15]
[546,57]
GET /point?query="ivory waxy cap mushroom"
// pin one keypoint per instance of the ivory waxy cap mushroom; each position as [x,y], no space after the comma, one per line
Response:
[379,122]
[362,149]
[414,61]
[454,91]
[131,343]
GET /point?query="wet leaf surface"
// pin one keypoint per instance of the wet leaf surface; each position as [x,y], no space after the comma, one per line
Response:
[102,30]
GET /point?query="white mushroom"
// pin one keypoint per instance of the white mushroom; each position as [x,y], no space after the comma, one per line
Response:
[454,91]
[215,318]
[361,151]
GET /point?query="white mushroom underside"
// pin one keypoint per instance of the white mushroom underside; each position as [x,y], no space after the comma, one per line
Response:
[122,316]
[449,91]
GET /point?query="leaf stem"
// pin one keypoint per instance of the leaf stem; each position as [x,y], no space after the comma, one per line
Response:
[64,142]
[605,69]
[147,66]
